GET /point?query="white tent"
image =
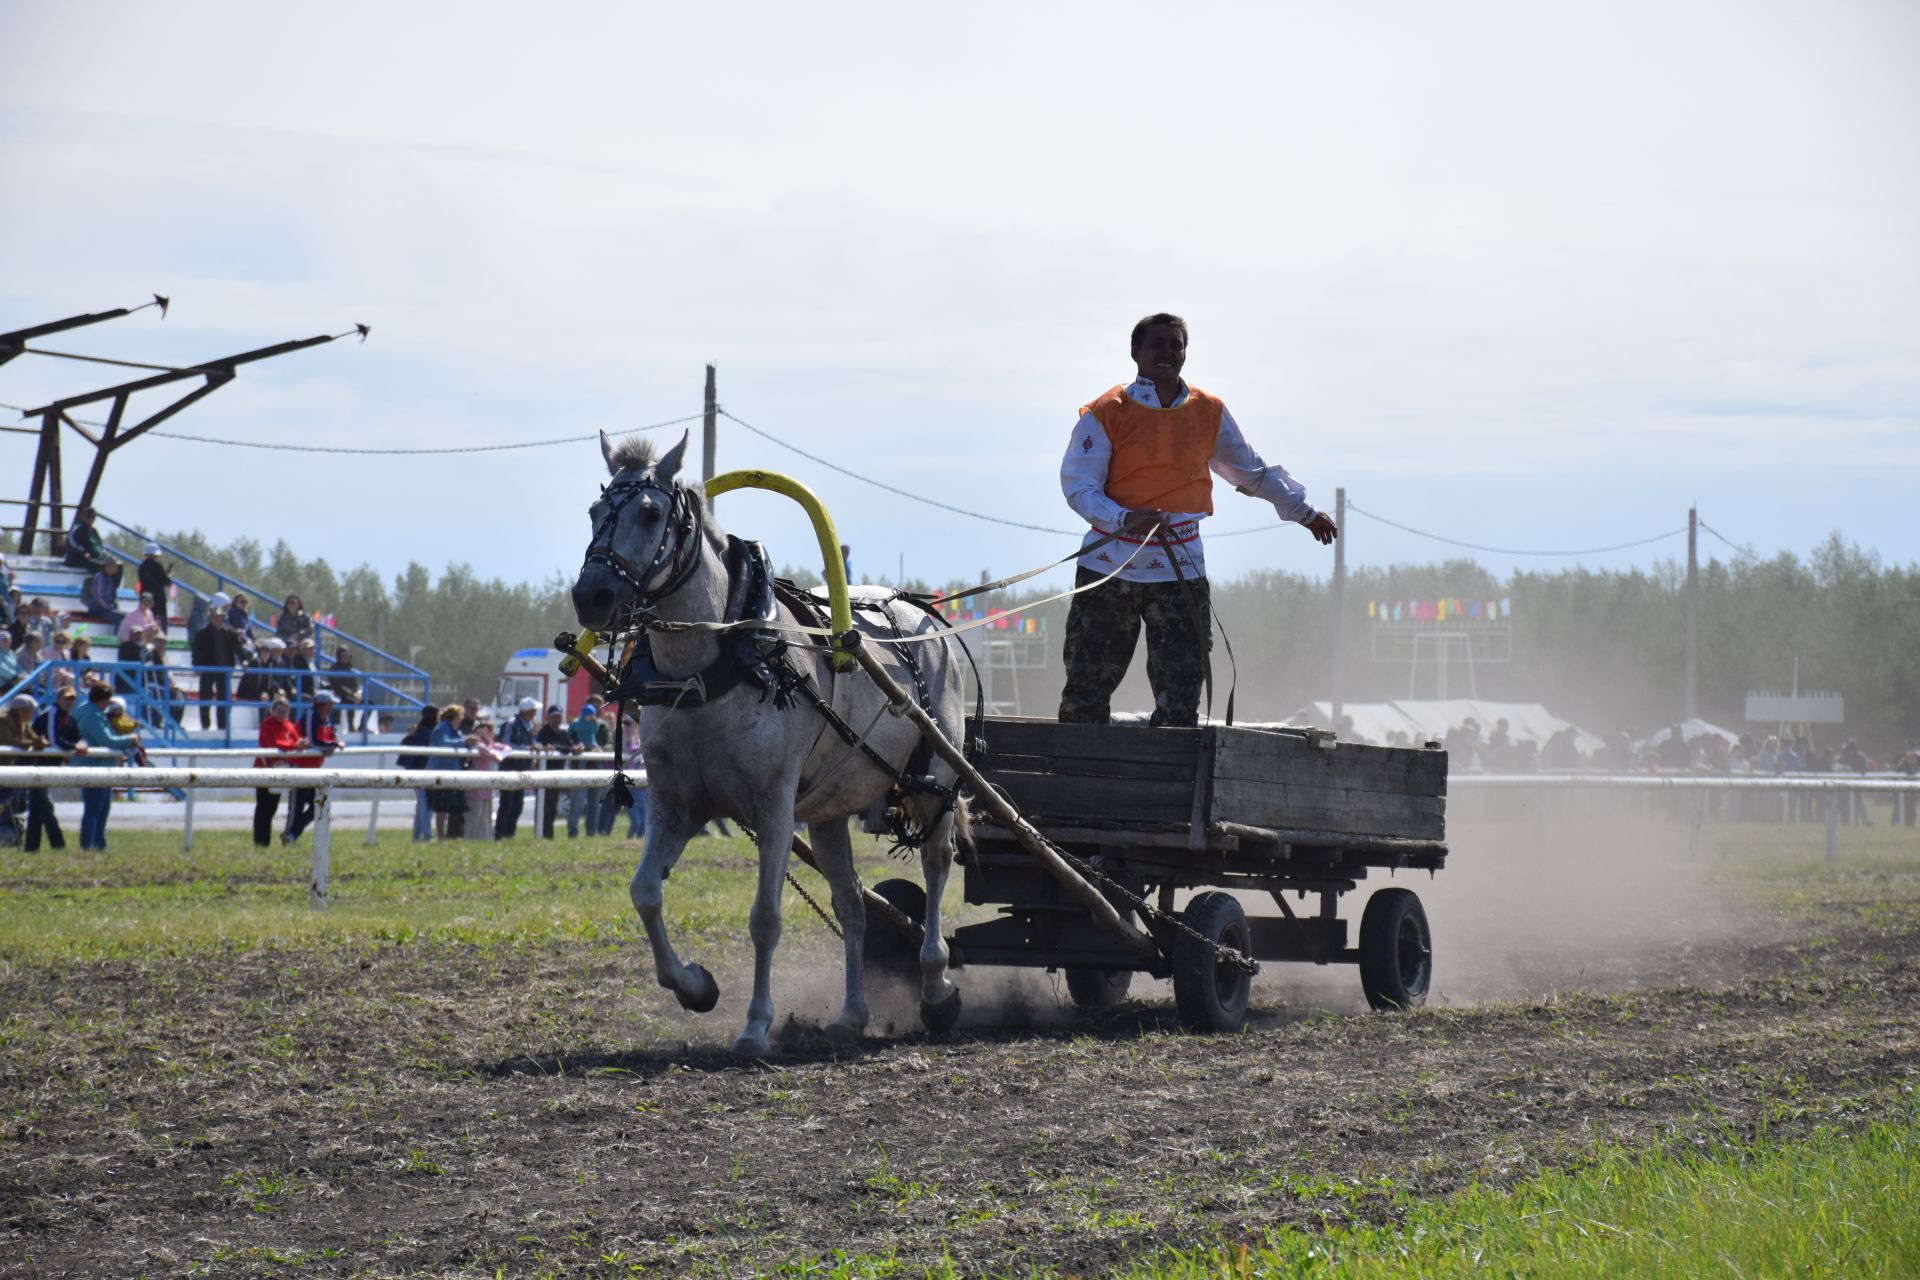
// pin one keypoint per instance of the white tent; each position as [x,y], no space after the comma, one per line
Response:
[1689,730]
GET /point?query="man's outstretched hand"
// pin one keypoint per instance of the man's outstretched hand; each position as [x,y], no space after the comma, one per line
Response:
[1322,528]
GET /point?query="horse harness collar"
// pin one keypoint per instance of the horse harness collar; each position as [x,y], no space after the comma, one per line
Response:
[748,655]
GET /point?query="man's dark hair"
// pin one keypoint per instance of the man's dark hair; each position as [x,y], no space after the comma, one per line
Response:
[1158,317]
[100,693]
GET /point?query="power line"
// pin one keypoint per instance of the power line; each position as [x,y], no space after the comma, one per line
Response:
[897,490]
[319,448]
[881,484]
[1513,551]
[1737,548]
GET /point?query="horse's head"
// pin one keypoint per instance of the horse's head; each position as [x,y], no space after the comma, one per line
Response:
[646,534]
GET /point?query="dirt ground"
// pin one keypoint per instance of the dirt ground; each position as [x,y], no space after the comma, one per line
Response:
[445,1110]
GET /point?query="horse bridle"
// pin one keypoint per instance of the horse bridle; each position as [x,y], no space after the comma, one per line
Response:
[673,561]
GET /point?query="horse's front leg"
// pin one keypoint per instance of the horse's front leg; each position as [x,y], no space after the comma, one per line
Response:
[775,836]
[833,850]
[668,830]
[939,998]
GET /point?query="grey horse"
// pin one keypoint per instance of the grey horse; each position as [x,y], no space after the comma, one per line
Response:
[742,756]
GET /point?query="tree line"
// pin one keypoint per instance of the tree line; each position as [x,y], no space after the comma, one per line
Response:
[1604,648]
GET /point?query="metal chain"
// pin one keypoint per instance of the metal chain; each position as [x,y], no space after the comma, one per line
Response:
[808,899]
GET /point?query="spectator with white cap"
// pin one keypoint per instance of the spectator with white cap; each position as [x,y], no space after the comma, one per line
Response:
[520,740]
[156,580]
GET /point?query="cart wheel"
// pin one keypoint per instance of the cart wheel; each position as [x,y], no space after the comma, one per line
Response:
[887,948]
[1098,988]
[1209,995]
[1396,950]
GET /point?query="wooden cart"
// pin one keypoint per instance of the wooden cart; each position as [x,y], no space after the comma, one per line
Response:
[1141,813]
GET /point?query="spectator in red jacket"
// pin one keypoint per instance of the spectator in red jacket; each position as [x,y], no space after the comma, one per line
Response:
[278,732]
[318,733]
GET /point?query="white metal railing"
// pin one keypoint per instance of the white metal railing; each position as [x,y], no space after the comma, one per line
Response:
[323,782]
[1831,787]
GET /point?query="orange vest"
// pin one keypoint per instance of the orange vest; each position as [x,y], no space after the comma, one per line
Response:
[1160,456]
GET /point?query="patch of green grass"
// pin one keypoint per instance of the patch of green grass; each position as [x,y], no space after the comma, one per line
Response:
[148,895]
[1835,1203]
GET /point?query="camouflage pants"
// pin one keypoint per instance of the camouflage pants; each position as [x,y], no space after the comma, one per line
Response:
[1103,625]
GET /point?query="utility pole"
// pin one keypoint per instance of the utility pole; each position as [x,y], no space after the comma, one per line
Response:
[1693,612]
[1339,606]
[710,440]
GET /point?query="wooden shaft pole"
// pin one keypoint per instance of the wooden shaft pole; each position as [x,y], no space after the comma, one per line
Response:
[1076,885]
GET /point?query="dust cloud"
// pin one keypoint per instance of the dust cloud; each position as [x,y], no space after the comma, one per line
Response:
[1528,910]
[1523,910]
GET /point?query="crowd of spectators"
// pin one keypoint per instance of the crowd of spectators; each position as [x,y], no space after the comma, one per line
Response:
[464,736]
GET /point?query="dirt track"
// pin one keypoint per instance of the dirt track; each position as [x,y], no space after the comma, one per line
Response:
[448,1111]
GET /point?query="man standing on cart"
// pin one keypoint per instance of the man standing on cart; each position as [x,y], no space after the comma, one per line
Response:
[1139,462]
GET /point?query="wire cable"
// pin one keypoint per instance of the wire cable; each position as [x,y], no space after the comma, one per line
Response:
[1513,551]
[881,484]
[1738,550]
[320,448]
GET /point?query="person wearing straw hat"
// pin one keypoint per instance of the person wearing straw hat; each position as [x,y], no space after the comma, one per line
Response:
[1140,464]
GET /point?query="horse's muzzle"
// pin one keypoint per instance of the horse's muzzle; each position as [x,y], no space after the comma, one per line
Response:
[597,596]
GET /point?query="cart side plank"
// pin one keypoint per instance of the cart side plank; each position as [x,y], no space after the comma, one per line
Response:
[1144,770]
[1061,795]
[1371,813]
[1089,742]
[1271,758]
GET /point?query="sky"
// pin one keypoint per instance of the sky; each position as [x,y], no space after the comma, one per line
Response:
[1535,277]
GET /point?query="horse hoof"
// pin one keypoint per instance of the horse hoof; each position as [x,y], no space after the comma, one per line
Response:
[844,1034]
[752,1047]
[941,1017]
[699,991]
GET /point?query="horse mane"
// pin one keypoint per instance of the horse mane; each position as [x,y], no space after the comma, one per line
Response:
[635,453]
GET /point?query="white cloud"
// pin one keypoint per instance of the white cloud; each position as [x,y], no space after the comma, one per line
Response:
[1610,255]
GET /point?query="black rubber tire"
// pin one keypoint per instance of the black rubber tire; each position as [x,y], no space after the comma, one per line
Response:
[1211,996]
[1396,950]
[1098,988]
[886,947]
